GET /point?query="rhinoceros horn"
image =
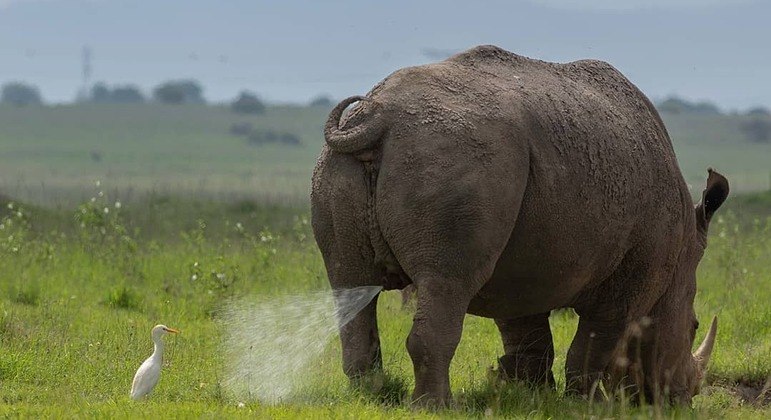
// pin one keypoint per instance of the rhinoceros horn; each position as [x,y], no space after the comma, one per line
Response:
[704,351]
[363,136]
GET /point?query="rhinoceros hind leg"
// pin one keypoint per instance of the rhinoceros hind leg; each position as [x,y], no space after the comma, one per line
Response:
[435,334]
[361,344]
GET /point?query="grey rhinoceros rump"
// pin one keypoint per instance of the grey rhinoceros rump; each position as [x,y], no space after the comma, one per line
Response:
[507,187]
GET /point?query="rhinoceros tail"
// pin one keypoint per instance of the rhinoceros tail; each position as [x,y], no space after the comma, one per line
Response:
[356,139]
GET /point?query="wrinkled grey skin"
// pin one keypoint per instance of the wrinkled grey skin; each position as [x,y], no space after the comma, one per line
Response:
[507,187]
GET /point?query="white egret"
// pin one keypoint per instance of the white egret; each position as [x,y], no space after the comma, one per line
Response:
[150,371]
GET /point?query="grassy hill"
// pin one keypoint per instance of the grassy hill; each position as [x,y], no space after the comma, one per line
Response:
[702,141]
[55,154]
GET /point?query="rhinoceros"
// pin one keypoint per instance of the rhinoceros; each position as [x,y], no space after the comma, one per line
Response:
[507,187]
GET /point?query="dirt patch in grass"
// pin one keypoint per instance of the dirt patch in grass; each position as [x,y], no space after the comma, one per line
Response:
[755,392]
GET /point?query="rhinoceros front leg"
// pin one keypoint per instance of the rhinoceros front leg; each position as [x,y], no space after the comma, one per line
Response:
[435,334]
[528,348]
[590,354]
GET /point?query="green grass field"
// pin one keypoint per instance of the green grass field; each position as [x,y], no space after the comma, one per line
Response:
[80,287]
[705,140]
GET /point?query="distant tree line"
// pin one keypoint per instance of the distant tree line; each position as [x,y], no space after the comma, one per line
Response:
[126,94]
[177,92]
[172,92]
[247,103]
[20,94]
[675,105]
[755,123]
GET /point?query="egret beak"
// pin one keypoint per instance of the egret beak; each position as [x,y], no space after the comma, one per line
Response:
[171,330]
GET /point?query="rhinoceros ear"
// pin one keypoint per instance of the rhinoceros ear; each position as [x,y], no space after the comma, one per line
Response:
[711,198]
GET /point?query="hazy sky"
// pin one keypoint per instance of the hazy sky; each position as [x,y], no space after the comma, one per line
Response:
[293,50]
